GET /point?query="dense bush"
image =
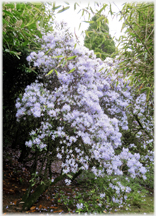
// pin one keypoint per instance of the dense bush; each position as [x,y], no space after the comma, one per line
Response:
[83,109]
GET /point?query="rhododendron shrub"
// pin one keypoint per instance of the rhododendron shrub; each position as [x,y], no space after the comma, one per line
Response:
[81,109]
[137,116]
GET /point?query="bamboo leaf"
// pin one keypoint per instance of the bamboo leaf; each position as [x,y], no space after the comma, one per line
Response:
[36,3]
[8,13]
[67,3]
[92,10]
[103,8]
[79,11]
[60,56]
[60,62]
[71,70]
[64,63]
[5,21]
[100,18]
[30,23]
[75,6]
[64,9]
[110,9]
[55,8]
[89,21]
[48,51]
[101,69]
[145,89]
[79,25]
[50,72]
[53,5]
[56,72]
[72,57]
[70,176]
[10,5]
[82,12]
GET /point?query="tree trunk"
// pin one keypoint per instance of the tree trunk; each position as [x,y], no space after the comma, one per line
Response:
[30,200]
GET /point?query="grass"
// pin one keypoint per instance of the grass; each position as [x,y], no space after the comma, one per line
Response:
[140,206]
[147,206]
[139,200]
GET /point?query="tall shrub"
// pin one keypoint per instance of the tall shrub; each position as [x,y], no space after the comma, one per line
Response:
[82,112]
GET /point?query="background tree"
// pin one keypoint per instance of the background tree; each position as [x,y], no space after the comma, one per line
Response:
[98,37]
[138,46]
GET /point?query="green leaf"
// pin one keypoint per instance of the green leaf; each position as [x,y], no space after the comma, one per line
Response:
[70,176]
[67,3]
[36,3]
[8,13]
[103,8]
[71,70]
[110,9]
[145,56]
[30,23]
[10,5]
[79,25]
[79,11]
[97,53]
[148,94]
[100,18]
[55,8]
[48,51]
[60,62]
[72,57]
[64,63]
[5,21]
[49,72]
[13,52]
[75,6]
[101,69]
[56,72]
[42,182]
[64,9]
[89,21]
[92,10]
[82,12]
[145,89]
[60,56]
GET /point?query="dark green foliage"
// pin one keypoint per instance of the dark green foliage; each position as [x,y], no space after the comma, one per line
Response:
[15,79]
[98,38]
[22,22]
[138,46]
[19,39]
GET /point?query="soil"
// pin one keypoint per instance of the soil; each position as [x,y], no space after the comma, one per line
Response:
[16,179]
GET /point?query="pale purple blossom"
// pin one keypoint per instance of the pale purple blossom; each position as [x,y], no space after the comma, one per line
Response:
[102,195]
[29,143]
[79,206]
[83,112]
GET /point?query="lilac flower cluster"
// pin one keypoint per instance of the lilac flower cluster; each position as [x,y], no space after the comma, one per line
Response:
[87,106]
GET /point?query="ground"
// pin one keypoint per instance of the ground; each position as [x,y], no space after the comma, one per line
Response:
[16,181]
